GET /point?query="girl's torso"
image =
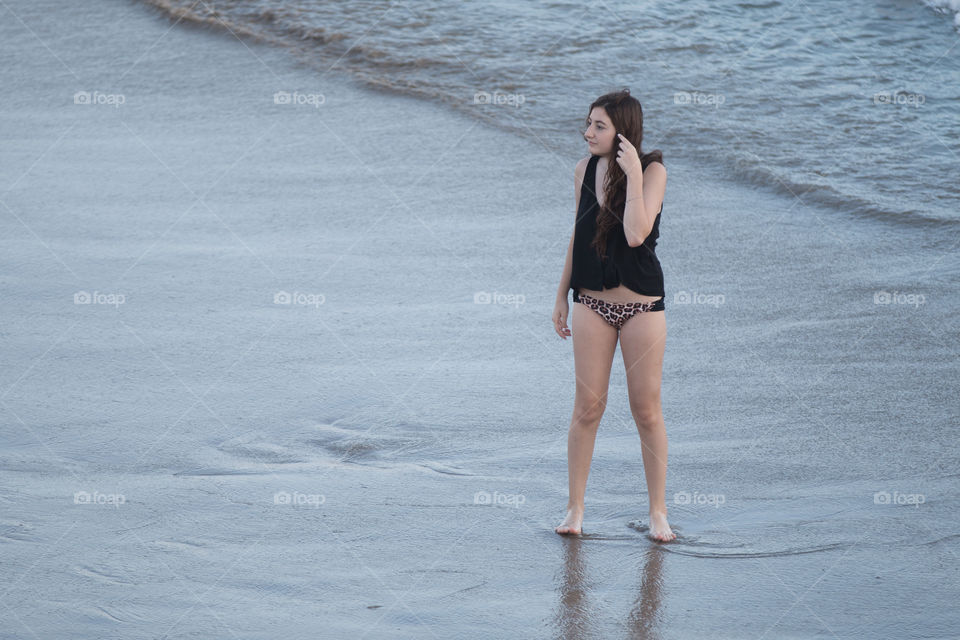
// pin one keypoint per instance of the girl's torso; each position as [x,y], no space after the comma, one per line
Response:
[619,293]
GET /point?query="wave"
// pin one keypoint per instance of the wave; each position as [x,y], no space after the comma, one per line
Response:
[379,68]
[278,31]
[946,6]
[761,175]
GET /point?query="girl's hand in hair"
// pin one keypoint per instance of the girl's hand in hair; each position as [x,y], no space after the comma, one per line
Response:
[628,159]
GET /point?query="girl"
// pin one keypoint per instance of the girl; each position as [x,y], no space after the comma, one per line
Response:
[618,294]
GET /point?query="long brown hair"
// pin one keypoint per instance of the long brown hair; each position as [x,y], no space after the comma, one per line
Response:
[626,116]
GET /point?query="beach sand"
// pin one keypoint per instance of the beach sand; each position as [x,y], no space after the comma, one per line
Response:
[385,454]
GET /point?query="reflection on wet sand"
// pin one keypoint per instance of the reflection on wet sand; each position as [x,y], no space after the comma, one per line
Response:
[645,618]
[577,615]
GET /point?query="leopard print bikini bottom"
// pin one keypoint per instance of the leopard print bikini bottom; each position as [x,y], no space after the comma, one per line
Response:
[616,313]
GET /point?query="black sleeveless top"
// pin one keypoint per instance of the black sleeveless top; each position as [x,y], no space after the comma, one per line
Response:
[636,268]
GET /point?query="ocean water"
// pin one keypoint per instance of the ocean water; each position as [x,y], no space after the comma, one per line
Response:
[853,105]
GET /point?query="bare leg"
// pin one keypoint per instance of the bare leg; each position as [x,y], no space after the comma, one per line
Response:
[594,343]
[642,342]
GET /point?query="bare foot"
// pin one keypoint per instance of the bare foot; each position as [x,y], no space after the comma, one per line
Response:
[573,523]
[659,528]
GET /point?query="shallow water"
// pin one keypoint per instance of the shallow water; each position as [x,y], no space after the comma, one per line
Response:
[849,105]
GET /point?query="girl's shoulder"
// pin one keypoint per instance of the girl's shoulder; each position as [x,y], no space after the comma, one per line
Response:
[655,167]
[581,167]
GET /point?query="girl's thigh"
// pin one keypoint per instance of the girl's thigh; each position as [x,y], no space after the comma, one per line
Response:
[594,343]
[643,340]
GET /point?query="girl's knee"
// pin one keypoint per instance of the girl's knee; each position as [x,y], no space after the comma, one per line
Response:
[588,414]
[648,415]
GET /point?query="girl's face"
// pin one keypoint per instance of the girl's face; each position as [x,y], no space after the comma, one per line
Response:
[600,135]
